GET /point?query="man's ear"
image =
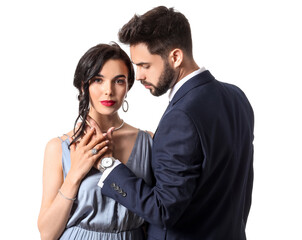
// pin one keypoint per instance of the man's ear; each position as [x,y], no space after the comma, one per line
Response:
[176,57]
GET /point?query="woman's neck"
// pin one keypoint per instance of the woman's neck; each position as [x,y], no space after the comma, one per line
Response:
[106,121]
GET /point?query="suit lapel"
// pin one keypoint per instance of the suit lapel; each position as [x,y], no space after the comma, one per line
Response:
[166,111]
[194,82]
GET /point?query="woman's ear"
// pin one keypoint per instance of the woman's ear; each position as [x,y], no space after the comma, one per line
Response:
[82,88]
[176,57]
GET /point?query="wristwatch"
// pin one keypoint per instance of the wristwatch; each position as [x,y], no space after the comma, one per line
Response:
[105,163]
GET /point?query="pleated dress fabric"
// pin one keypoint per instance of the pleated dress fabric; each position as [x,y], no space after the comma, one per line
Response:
[94,216]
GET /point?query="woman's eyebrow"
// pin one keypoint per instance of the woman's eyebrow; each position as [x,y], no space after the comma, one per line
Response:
[119,76]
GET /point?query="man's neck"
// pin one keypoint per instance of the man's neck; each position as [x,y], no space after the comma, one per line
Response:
[186,68]
[183,80]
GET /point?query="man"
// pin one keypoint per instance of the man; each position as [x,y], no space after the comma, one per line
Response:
[202,154]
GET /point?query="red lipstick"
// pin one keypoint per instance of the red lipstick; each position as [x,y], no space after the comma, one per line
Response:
[108,103]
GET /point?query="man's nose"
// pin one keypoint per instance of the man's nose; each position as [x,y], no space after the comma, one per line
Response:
[140,74]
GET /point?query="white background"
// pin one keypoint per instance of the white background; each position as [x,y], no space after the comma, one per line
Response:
[253,44]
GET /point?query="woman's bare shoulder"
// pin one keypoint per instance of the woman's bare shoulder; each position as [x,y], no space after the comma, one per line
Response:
[53,154]
[135,130]
[54,144]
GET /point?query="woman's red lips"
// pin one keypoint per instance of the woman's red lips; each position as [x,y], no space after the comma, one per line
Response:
[108,103]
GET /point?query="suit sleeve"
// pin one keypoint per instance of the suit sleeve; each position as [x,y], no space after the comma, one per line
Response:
[177,164]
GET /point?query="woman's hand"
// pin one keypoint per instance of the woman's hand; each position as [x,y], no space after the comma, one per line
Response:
[81,154]
[108,135]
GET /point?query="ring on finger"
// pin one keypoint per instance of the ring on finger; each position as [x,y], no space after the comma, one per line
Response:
[94,151]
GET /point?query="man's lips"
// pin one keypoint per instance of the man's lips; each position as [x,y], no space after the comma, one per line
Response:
[108,103]
[146,85]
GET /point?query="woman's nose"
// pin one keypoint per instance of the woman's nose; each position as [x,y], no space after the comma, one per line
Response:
[108,88]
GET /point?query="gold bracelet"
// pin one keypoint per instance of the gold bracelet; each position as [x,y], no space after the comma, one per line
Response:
[70,199]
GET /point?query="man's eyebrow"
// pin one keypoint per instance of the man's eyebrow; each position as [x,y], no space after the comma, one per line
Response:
[140,63]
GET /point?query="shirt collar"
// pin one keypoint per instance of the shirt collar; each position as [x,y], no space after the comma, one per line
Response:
[177,86]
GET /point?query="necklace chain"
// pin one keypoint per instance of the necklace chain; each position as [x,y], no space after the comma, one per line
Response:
[119,126]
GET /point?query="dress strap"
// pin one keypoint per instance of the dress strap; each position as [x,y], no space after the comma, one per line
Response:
[149,133]
[63,135]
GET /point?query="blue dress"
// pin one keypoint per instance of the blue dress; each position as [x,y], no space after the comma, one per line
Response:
[94,216]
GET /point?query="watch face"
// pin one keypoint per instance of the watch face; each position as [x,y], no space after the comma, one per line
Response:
[107,162]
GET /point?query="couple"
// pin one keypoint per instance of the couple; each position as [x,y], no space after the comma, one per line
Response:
[191,180]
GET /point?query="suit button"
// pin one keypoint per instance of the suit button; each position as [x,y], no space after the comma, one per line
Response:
[113,185]
[124,194]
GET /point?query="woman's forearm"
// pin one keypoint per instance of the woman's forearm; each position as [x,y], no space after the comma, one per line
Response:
[52,221]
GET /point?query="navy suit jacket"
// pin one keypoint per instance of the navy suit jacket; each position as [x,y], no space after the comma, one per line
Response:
[202,160]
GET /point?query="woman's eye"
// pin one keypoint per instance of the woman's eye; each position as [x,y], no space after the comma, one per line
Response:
[146,66]
[97,79]
[120,81]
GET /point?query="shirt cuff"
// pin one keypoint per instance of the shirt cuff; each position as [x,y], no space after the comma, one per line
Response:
[107,172]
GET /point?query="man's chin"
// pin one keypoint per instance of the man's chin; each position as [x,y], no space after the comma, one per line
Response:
[153,92]
[157,93]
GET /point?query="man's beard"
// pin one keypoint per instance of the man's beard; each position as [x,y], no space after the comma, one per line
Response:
[166,80]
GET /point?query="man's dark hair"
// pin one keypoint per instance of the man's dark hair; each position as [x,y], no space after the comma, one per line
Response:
[162,29]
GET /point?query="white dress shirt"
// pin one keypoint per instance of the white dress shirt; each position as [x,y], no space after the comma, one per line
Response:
[177,86]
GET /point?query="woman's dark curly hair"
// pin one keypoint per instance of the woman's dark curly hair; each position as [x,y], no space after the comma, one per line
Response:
[90,64]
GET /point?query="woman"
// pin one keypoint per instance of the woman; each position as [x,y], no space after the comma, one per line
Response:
[72,204]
